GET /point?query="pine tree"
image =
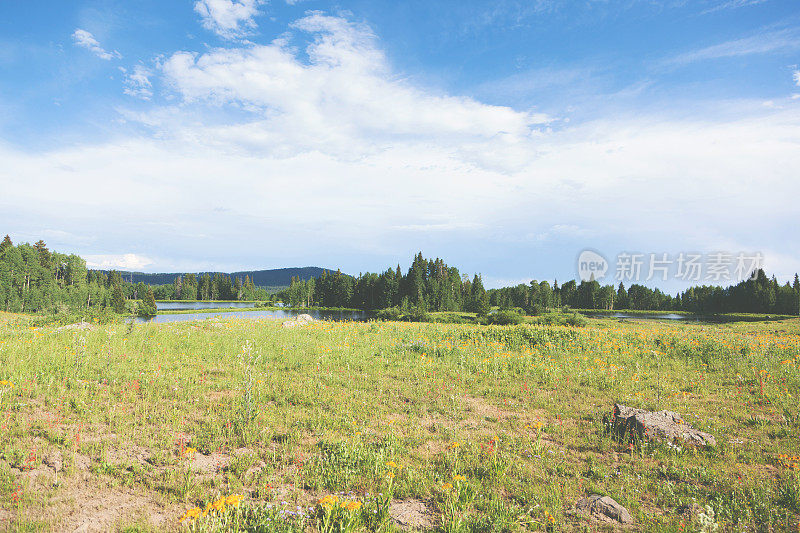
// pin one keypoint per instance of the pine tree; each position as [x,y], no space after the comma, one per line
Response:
[147,305]
[5,244]
[118,299]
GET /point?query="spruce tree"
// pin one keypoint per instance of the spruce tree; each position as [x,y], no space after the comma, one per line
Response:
[5,244]
[147,305]
[118,299]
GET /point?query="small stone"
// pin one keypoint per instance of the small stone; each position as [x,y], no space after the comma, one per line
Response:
[604,508]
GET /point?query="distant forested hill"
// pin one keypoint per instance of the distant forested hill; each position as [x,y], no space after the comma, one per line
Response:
[277,277]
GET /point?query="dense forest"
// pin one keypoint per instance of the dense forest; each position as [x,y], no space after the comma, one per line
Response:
[210,287]
[33,279]
[428,284]
[431,285]
[271,279]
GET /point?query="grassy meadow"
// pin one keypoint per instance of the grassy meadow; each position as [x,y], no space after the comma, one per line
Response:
[242,425]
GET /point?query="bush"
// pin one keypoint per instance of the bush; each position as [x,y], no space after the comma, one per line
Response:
[504,318]
[576,320]
[562,319]
[418,314]
[451,318]
[390,313]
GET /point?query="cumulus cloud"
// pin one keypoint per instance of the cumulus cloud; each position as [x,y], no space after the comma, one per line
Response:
[700,193]
[796,76]
[121,262]
[344,98]
[230,19]
[330,149]
[86,40]
[137,83]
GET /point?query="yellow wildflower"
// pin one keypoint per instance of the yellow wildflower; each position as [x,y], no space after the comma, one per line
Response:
[329,501]
[191,514]
[351,505]
[447,486]
[233,500]
[390,475]
[391,464]
[219,505]
[458,477]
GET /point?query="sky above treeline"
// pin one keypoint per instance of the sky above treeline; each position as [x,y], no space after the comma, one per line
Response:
[505,137]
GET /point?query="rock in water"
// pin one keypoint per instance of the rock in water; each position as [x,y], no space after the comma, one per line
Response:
[658,425]
[604,508]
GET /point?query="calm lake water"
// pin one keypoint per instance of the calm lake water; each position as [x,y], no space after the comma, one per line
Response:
[359,316]
[666,316]
[174,306]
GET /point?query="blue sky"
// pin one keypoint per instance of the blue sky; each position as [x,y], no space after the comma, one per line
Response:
[504,137]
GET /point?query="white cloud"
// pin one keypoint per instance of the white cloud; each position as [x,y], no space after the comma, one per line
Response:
[796,77]
[732,4]
[121,262]
[784,40]
[334,151]
[137,83]
[442,226]
[86,40]
[230,19]
[345,99]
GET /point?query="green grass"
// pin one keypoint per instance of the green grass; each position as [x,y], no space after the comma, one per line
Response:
[491,428]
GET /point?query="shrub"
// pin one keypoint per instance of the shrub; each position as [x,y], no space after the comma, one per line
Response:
[390,313]
[504,318]
[418,314]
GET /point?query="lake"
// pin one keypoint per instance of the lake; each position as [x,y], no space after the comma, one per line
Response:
[176,306]
[280,314]
[665,316]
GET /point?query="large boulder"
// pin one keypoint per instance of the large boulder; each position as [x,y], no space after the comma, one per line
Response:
[657,425]
[299,320]
[604,509]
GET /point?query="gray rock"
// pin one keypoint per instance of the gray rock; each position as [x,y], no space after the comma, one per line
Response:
[604,508]
[299,320]
[658,425]
[79,326]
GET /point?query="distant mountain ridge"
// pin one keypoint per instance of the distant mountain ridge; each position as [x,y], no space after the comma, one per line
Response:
[276,277]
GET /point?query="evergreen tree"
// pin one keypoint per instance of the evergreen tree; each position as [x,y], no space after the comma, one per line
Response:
[147,305]
[118,298]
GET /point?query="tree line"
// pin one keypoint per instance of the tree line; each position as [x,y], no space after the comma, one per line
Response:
[35,279]
[432,285]
[210,287]
[759,294]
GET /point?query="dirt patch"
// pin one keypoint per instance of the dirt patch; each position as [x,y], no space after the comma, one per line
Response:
[412,514]
[128,455]
[210,464]
[216,396]
[431,449]
[96,508]
[483,409]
